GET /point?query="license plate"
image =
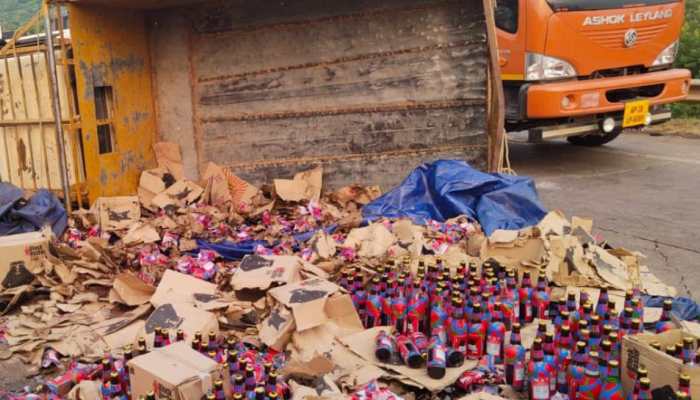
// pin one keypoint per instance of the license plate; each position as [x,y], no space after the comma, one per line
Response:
[635,113]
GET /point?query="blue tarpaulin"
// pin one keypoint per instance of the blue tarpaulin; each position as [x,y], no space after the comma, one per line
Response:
[20,216]
[448,188]
[233,251]
[685,308]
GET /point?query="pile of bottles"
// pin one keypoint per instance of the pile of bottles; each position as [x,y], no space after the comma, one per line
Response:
[442,317]
[253,373]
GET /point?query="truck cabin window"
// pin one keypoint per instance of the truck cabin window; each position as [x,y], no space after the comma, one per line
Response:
[507,15]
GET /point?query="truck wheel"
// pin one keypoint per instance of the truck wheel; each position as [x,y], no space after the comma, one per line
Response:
[595,139]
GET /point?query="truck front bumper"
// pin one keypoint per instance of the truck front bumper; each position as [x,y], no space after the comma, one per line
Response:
[596,96]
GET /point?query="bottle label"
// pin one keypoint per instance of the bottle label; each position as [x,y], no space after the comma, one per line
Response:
[540,389]
[561,377]
[519,373]
[493,348]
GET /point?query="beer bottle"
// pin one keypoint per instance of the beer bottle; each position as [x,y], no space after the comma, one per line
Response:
[115,386]
[612,388]
[106,369]
[655,345]
[495,337]
[514,355]
[165,334]
[213,342]
[664,323]
[638,376]
[437,359]
[590,386]
[688,351]
[259,393]
[211,396]
[682,395]
[563,355]
[151,395]
[219,390]
[250,381]
[157,338]
[645,389]
[684,383]
[180,335]
[477,334]
[540,374]
[141,345]
[239,383]
[267,368]
[576,370]
[238,396]
[232,359]
[271,384]
[408,352]
[602,306]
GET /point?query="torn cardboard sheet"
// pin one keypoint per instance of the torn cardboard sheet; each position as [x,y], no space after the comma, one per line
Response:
[359,194]
[180,194]
[307,300]
[180,288]
[610,268]
[323,245]
[554,223]
[117,213]
[261,272]
[151,183]
[371,241]
[131,290]
[168,156]
[363,344]
[215,178]
[140,233]
[305,186]
[276,330]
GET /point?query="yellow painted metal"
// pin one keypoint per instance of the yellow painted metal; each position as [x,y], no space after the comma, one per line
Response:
[111,49]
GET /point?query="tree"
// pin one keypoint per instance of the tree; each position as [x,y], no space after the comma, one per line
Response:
[14,13]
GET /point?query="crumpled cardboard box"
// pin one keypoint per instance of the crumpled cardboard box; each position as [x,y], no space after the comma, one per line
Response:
[19,254]
[175,372]
[663,369]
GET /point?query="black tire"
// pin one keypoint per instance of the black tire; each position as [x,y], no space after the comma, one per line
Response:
[594,140]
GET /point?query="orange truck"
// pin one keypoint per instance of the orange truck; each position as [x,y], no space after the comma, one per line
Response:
[587,69]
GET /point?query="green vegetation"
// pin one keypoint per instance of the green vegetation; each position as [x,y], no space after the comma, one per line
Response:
[13,13]
[689,55]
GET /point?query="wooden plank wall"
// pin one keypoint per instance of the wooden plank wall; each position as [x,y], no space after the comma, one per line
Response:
[369,89]
[28,149]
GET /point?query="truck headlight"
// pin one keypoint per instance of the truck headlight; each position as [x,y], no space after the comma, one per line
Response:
[540,67]
[667,56]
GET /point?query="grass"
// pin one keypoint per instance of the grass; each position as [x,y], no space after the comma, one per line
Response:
[685,127]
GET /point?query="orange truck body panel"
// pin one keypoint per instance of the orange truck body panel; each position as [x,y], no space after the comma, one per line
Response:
[592,41]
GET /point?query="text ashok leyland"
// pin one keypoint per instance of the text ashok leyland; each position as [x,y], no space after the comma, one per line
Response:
[620,18]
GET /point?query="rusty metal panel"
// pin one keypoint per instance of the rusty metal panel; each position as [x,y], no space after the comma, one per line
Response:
[361,87]
[115,96]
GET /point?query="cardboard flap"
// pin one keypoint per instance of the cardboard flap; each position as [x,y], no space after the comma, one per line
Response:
[305,186]
[256,271]
[303,292]
[117,213]
[180,288]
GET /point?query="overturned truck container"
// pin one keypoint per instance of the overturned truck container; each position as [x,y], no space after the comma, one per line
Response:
[368,89]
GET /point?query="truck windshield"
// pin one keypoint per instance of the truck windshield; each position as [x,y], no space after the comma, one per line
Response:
[582,5]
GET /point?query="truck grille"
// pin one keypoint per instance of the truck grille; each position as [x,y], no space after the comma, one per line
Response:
[614,38]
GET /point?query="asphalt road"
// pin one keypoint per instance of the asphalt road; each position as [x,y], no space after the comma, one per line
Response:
[641,191]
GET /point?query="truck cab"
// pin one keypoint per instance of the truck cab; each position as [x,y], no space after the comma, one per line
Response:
[587,69]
